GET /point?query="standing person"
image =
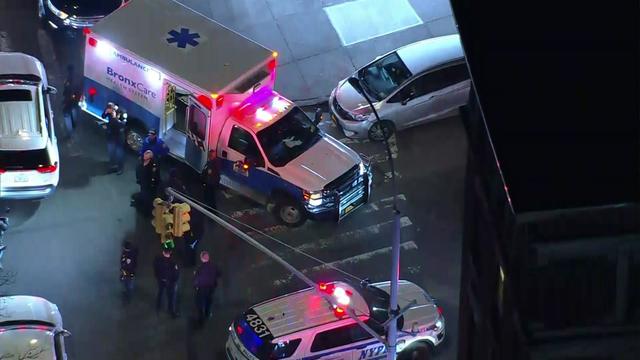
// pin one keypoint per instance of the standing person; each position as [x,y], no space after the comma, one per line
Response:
[211,178]
[167,274]
[154,143]
[128,264]
[69,105]
[115,138]
[148,177]
[205,282]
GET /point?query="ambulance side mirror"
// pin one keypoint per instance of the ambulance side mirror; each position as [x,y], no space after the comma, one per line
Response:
[317,117]
[51,90]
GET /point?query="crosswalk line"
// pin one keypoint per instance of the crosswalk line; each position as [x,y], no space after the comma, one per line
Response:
[409,245]
[343,239]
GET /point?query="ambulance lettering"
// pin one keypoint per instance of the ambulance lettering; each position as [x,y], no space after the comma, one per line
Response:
[136,87]
[373,351]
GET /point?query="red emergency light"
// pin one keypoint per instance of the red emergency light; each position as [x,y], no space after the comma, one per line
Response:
[92,91]
[93,42]
[205,101]
[86,31]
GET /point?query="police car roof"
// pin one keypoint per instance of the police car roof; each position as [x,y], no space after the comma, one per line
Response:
[304,309]
[219,57]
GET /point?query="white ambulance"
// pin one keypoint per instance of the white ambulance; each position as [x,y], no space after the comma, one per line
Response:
[203,86]
[303,325]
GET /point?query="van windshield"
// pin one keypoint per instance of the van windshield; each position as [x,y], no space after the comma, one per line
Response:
[289,137]
[384,76]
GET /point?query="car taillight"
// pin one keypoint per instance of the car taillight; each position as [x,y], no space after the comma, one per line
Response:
[439,310]
[47,169]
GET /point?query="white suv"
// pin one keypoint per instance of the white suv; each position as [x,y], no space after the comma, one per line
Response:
[29,159]
[303,325]
[31,328]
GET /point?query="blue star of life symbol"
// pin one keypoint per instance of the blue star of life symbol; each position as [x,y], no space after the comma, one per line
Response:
[183,38]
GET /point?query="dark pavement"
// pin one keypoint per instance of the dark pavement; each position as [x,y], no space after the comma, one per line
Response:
[66,248]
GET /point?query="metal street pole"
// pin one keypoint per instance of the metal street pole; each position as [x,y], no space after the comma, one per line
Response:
[392,330]
[173,193]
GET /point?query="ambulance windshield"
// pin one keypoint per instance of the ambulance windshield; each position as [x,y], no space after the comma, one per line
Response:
[289,137]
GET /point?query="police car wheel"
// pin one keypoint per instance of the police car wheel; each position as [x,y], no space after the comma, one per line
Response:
[134,138]
[289,213]
[381,130]
[417,351]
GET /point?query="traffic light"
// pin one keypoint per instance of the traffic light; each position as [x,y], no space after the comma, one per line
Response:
[159,210]
[169,225]
[181,219]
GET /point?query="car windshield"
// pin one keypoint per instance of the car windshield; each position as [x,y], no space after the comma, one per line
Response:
[289,137]
[384,76]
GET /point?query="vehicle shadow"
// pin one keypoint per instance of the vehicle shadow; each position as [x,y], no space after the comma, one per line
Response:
[18,211]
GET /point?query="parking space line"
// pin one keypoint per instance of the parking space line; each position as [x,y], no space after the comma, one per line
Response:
[409,245]
[5,42]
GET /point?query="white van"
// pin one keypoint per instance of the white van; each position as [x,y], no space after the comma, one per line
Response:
[303,325]
[29,159]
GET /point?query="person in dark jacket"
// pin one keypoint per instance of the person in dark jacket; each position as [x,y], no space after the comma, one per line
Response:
[205,282]
[154,143]
[115,137]
[167,274]
[148,177]
[69,104]
[128,264]
[211,179]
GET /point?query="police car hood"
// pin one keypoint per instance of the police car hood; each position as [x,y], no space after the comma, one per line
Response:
[423,313]
[322,163]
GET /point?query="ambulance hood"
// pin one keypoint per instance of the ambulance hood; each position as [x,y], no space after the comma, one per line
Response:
[322,163]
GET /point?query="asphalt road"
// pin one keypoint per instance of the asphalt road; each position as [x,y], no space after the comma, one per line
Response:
[66,248]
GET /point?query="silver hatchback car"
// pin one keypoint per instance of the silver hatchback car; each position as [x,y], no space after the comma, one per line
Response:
[414,84]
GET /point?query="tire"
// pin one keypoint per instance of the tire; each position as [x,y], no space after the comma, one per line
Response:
[381,130]
[420,350]
[134,136]
[289,212]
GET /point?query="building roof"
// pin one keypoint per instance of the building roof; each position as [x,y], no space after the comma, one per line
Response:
[560,102]
[427,54]
[146,27]
[303,310]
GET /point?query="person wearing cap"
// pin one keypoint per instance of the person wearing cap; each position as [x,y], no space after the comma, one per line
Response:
[167,273]
[154,143]
[148,177]
[115,137]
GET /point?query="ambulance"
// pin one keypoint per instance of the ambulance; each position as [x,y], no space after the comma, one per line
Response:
[304,326]
[204,87]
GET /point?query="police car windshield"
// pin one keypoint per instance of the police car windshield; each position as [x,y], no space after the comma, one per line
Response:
[289,137]
[378,301]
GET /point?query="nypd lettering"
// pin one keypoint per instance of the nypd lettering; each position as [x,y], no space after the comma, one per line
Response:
[373,352]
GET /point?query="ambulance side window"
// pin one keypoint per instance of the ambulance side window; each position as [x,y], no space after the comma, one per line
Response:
[341,336]
[242,142]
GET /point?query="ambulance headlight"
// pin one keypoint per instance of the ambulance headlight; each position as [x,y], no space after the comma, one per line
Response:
[59,13]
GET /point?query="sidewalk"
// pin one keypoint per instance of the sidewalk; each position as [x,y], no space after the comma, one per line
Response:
[323,41]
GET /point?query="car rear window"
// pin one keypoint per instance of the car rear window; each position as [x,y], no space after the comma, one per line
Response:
[24,160]
[15,95]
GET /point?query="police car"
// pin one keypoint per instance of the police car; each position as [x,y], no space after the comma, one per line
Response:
[303,325]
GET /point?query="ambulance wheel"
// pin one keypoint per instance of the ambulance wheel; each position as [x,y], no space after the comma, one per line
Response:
[381,130]
[134,135]
[417,351]
[289,212]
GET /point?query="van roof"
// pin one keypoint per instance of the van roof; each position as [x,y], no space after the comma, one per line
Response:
[304,309]
[427,54]
[219,56]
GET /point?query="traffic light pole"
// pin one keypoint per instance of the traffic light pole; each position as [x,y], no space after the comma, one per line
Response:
[171,192]
[392,329]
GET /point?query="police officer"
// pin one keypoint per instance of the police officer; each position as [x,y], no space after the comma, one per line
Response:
[69,105]
[211,179]
[154,143]
[115,137]
[205,282]
[128,264]
[148,177]
[167,274]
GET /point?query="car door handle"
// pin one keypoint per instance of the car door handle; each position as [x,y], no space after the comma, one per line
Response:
[224,154]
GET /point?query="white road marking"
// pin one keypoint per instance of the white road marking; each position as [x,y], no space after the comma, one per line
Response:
[226,194]
[409,245]
[5,42]
[247,212]
[393,146]
[347,238]
[387,176]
